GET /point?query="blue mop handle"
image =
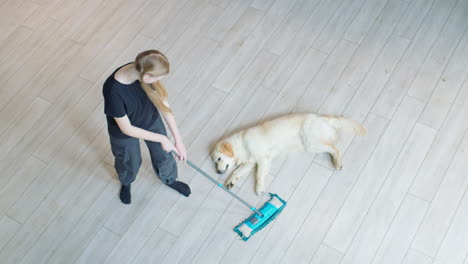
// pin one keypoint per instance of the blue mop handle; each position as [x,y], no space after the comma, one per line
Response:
[220,185]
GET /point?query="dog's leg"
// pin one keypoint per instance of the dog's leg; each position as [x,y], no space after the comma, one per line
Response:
[336,155]
[243,169]
[263,168]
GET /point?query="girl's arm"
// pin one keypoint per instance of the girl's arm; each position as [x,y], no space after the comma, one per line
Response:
[132,131]
[170,120]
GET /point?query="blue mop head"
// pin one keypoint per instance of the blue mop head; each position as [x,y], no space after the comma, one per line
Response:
[255,222]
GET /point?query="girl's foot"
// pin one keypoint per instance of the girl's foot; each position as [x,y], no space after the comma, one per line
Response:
[125,195]
[181,187]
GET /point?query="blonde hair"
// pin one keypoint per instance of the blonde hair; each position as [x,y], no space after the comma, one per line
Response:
[155,63]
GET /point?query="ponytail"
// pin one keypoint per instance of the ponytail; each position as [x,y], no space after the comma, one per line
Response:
[155,63]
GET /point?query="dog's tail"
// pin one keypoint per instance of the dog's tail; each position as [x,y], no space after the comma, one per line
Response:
[348,125]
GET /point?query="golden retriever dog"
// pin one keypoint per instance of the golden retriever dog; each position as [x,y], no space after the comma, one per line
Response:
[259,145]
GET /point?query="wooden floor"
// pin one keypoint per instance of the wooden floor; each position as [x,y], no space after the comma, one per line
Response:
[398,66]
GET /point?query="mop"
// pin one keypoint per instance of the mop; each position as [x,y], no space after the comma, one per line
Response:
[260,218]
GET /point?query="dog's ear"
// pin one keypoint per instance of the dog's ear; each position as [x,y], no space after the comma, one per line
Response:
[226,149]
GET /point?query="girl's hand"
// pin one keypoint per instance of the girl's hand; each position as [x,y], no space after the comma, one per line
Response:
[168,146]
[181,150]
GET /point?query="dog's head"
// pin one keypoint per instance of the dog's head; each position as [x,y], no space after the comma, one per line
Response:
[223,156]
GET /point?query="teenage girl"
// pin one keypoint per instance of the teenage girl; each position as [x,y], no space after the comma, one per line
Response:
[133,99]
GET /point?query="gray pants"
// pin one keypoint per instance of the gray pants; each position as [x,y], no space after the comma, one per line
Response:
[128,157]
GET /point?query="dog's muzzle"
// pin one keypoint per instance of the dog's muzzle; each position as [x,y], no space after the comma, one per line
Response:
[223,171]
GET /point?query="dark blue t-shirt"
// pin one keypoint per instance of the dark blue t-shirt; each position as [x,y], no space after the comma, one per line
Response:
[127,99]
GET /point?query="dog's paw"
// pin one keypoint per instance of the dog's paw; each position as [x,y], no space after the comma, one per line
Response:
[259,189]
[230,183]
[337,165]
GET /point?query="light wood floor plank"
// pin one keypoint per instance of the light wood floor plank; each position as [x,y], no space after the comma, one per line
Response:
[41,129]
[41,14]
[454,248]
[179,24]
[101,16]
[254,43]
[18,182]
[98,41]
[392,194]
[300,45]
[212,100]
[263,5]
[443,149]
[376,78]
[232,12]
[28,91]
[60,165]
[69,216]
[327,255]
[126,37]
[8,228]
[24,52]
[416,257]
[338,24]
[448,87]
[12,14]
[295,87]
[125,56]
[83,233]
[440,54]
[156,247]
[20,35]
[413,18]
[47,209]
[79,114]
[188,72]
[364,20]
[322,84]
[444,205]
[414,57]
[254,110]
[159,22]
[192,35]
[363,59]
[14,133]
[221,3]
[197,84]
[401,232]
[63,10]
[285,32]
[38,71]
[100,248]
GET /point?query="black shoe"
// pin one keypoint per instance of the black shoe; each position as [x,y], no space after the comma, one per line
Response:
[125,195]
[181,187]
